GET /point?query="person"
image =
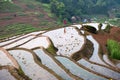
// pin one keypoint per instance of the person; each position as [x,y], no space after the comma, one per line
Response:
[64,22]
[15,15]
[64,30]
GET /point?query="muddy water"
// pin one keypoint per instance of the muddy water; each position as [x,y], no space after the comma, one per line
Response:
[30,67]
[99,69]
[50,63]
[5,75]
[77,70]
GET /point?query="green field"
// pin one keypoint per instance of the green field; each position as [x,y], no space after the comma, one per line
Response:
[16,29]
[114,49]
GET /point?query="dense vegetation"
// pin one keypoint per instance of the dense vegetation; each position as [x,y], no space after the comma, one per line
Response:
[83,8]
[114,49]
[66,9]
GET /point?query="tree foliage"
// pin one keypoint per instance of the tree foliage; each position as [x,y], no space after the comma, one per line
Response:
[69,8]
[44,1]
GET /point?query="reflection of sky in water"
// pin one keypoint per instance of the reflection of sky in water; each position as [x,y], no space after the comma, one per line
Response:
[37,42]
[18,42]
[50,63]
[106,59]
[67,40]
[95,57]
[102,70]
[76,70]
[4,60]
[30,68]
[5,75]
[12,40]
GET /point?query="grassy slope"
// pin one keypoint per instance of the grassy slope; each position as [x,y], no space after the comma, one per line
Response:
[16,29]
[6,6]
[30,14]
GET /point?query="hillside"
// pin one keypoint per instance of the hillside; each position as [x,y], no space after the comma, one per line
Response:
[29,12]
[14,16]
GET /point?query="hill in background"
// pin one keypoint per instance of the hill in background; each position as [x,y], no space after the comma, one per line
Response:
[25,11]
[46,14]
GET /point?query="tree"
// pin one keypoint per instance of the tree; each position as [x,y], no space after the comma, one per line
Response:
[69,8]
[44,1]
[58,8]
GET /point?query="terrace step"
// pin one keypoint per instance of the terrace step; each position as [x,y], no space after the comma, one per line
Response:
[95,25]
[6,75]
[96,56]
[30,67]
[110,63]
[19,42]
[77,70]
[8,42]
[48,61]
[39,41]
[20,37]
[4,59]
[67,40]
[100,69]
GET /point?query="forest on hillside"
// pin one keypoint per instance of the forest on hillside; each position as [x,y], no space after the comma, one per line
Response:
[83,8]
[79,8]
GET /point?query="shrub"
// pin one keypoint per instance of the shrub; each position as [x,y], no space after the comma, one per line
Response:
[107,29]
[100,26]
[51,49]
[114,49]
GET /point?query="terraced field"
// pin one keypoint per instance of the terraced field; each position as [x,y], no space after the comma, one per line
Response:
[27,56]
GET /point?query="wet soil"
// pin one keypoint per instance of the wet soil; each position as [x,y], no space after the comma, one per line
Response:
[102,37]
[86,52]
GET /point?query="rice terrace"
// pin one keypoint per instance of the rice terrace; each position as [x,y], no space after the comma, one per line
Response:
[35,45]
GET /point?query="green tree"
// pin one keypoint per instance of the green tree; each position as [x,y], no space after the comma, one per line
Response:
[44,1]
[58,8]
[69,8]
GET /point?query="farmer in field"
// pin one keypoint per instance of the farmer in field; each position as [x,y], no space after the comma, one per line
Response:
[64,22]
